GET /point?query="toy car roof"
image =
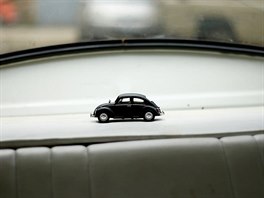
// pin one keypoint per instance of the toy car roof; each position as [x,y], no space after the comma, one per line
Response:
[131,95]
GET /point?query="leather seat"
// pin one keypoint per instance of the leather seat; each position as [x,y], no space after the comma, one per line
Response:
[186,168]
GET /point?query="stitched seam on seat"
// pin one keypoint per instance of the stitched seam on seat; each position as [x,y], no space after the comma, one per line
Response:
[261,155]
[15,171]
[228,168]
[259,149]
[89,173]
[16,174]
[51,173]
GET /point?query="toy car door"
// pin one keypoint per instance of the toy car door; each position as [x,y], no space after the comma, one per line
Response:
[138,105]
[122,108]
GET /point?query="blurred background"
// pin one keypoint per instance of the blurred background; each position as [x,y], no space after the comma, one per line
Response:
[26,24]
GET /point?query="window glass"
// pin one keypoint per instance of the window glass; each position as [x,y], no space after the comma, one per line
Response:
[138,100]
[38,23]
[124,100]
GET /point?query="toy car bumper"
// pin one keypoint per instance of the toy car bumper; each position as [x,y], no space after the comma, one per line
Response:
[161,113]
[92,115]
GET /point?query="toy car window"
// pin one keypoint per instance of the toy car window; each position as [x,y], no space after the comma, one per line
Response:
[124,100]
[138,100]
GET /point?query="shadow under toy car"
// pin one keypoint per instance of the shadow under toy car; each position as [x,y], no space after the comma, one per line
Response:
[130,105]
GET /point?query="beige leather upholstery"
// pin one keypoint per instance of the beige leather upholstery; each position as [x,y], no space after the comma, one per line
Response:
[33,173]
[70,172]
[161,168]
[245,166]
[232,167]
[7,174]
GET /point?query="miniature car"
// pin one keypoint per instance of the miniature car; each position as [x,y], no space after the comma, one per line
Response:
[129,105]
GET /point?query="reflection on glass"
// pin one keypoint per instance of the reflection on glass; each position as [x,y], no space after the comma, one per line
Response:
[117,19]
[216,28]
[8,12]
[31,24]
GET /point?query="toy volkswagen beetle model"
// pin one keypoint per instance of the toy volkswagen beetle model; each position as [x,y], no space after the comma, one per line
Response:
[129,105]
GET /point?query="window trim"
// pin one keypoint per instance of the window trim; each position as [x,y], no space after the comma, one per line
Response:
[110,45]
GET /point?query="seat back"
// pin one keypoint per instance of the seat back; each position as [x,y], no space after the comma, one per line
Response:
[189,167]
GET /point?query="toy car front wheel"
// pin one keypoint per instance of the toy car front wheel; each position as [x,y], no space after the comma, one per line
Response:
[149,116]
[103,117]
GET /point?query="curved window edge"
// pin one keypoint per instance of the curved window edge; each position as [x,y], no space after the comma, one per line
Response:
[86,47]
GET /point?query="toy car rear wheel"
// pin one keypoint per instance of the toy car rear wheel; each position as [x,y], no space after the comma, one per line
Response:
[149,116]
[103,117]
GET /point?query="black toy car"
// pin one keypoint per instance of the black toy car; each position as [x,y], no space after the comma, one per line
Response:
[130,105]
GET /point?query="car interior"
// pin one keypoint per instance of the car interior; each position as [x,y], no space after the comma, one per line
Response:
[213,150]
[208,144]
[182,167]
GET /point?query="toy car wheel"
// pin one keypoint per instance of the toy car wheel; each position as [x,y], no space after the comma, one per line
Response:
[103,117]
[149,116]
